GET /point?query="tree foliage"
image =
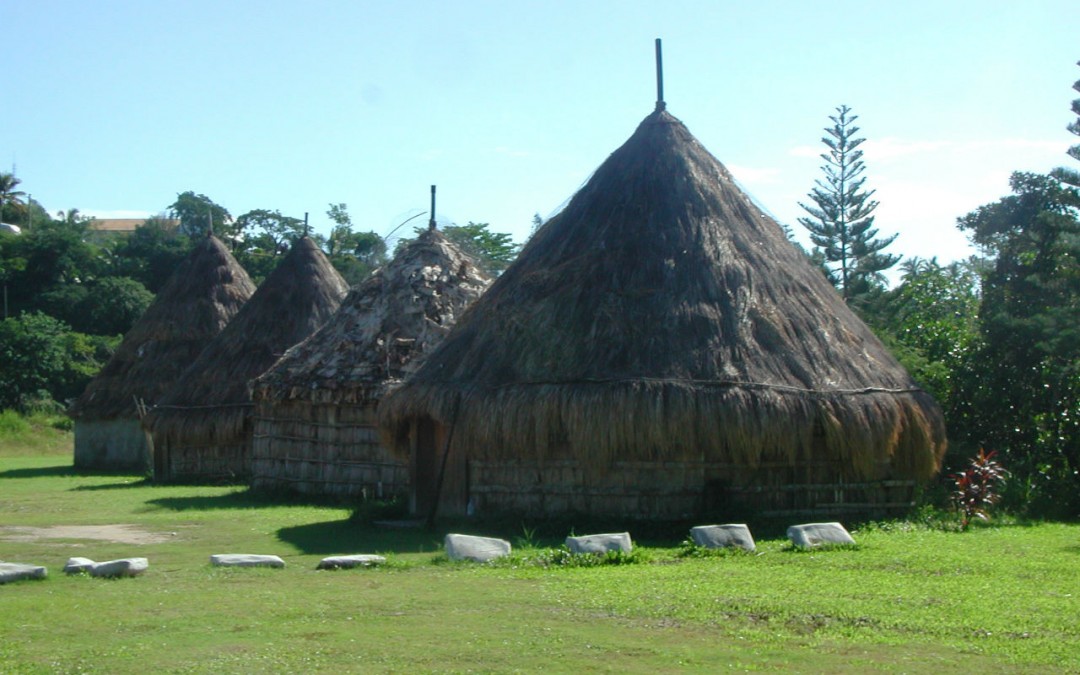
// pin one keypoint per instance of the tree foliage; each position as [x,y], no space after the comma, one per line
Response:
[111,306]
[269,231]
[151,253]
[42,360]
[12,205]
[1069,175]
[1020,394]
[50,255]
[492,251]
[198,214]
[354,254]
[841,223]
[930,321]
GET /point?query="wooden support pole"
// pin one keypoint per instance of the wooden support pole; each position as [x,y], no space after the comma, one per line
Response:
[660,105]
[431,222]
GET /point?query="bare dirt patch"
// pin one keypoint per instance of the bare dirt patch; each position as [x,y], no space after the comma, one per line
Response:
[120,534]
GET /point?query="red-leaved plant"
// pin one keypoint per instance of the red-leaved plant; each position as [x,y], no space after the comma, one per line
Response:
[976,488]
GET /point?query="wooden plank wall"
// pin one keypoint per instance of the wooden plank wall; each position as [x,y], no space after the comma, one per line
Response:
[677,490]
[323,449]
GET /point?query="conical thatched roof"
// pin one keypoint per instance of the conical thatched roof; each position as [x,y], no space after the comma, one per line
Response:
[211,399]
[207,289]
[383,326]
[661,315]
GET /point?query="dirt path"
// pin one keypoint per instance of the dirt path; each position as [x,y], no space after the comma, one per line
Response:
[120,534]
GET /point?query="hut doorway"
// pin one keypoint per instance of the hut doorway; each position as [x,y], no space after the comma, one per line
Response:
[438,473]
[159,458]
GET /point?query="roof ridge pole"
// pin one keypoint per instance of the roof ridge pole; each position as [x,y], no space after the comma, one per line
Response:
[431,223]
[660,105]
[305,224]
[210,222]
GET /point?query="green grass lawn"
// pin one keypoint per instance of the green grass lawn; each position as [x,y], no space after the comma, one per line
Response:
[907,599]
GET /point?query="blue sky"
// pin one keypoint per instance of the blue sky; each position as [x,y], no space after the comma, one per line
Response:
[114,107]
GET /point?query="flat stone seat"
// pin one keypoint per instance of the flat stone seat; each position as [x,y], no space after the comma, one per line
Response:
[246,560]
[477,549]
[723,536]
[350,561]
[124,567]
[813,535]
[19,571]
[78,566]
[600,543]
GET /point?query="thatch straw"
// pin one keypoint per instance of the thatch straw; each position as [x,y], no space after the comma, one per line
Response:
[662,316]
[200,298]
[210,403]
[383,326]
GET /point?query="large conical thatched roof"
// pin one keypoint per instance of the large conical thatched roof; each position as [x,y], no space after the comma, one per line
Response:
[203,294]
[383,326]
[661,315]
[211,399]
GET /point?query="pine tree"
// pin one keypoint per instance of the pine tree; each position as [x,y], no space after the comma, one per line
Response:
[1065,174]
[841,223]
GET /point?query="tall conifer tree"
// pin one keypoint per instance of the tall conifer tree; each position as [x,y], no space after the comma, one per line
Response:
[841,223]
[1065,174]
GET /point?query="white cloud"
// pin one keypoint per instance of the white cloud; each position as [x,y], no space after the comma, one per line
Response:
[752,175]
[806,150]
[891,147]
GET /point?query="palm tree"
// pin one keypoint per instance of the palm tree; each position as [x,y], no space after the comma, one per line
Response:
[8,194]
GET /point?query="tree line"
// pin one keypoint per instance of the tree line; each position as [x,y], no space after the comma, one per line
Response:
[995,338]
[71,291]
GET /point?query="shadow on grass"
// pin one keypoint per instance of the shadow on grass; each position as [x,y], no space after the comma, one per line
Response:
[138,483]
[40,472]
[348,537]
[58,471]
[239,499]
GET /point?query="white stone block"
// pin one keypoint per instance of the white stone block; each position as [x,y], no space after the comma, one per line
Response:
[723,536]
[600,543]
[124,567]
[19,571]
[246,560]
[78,565]
[477,549]
[812,535]
[350,561]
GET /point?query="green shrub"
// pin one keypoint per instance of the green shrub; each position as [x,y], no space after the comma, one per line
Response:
[688,549]
[12,423]
[563,557]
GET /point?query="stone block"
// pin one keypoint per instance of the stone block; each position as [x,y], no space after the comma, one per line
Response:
[723,536]
[19,571]
[246,560]
[350,561]
[812,535]
[600,543]
[124,567]
[78,565]
[477,549]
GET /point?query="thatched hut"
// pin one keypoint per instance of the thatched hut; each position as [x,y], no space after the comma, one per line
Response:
[204,293]
[660,349]
[315,409]
[201,428]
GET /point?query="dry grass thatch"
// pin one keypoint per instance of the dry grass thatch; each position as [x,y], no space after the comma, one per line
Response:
[210,403]
[662,316]
[383,325]
[203,294]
